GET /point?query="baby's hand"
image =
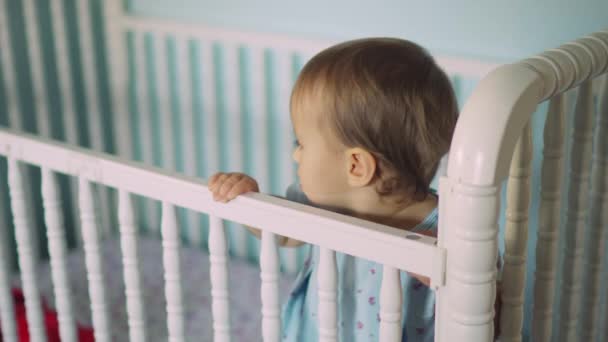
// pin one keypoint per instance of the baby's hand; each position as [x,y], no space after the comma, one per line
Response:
[226,186]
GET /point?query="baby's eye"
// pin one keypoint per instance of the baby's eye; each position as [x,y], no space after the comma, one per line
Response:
[296,144]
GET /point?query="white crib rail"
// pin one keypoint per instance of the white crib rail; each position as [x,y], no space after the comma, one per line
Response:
[549,218]
[132,275]
[516,239]
[58,250]
[391,247]
[502,104]
[597,228]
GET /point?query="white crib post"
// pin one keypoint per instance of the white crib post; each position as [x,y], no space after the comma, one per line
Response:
[7,308]
[64,73]
[597,229]
[145,123]
[95,127]
[118,75]
[218,258]
[576,211]
[27,253]
[259,114]
[57,250]
[549,217]
[516,238]
[328,296]
[184,76]
[171,261]
[468,228]
[93,259]
[269,264]
[391,302]
[130,256]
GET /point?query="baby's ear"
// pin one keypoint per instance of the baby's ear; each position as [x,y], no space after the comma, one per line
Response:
[360,167]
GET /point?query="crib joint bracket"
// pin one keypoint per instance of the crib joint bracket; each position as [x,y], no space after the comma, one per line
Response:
[439,265]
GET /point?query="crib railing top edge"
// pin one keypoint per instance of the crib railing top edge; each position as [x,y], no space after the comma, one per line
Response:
[467,67]
[383,244]
[495,114]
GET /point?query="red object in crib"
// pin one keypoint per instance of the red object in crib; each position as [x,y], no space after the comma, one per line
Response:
[85,334]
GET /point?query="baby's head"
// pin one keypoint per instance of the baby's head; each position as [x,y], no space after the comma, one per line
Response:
[371,113]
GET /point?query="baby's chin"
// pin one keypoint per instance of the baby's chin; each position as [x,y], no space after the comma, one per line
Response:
[332,202]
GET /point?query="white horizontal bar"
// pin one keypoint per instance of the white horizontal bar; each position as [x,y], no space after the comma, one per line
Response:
[386,245]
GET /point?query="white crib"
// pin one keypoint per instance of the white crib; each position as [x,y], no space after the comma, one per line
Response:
[492,144]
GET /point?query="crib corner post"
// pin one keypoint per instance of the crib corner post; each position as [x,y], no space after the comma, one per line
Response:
[468,230]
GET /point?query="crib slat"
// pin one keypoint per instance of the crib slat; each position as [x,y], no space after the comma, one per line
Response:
[549,217]
[258,113]
[35,61]
[218,257]
[7,308]
[328,296]
[210,109]
[93,259]
[516,238]
[66,88]
[118,75]
[184,73]
[576,211]
[58,250]
[597,229]
[27,252]
[284,85]
[9,71]
[171,261]
[133,280]
[150,216]
[269,264]
[94,115]
[163,97]
[235,131]
[391,301]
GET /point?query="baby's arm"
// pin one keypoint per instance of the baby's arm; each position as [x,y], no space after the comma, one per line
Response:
[226,186]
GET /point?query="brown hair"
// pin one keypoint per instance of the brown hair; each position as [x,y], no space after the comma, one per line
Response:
[388,96]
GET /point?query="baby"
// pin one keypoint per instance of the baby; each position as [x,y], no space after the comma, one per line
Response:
[372,117]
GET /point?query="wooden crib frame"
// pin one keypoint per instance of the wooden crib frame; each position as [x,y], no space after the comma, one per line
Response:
[492,142]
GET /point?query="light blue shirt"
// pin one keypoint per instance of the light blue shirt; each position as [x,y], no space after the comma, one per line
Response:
[359,282]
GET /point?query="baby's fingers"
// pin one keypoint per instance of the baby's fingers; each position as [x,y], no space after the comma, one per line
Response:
[225,185]
[244,185]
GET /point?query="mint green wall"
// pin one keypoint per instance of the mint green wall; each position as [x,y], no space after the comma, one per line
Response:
[470,28]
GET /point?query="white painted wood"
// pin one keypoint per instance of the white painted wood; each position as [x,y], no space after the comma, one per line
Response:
[66,88]
[209,108]
[328,296]
[516,239]
[171,263]
[43,118]
[9,71]
[384,244]
[218,257]
[55,228]
[163,97]
[136,308]
[150,219]
[234,110]
[91,84]
[597,228]
[284,84]
[549,219]
[269,265]
[7,308]
[184,74]
[93,260]
[28,255]
[391,304]
[468,231]
[476,69]
[260,117]
[576,212]
[113,12]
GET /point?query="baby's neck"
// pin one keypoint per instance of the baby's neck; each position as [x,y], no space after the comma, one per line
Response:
[385,211]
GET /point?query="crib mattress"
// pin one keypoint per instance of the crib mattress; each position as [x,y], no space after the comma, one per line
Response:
[244,291]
